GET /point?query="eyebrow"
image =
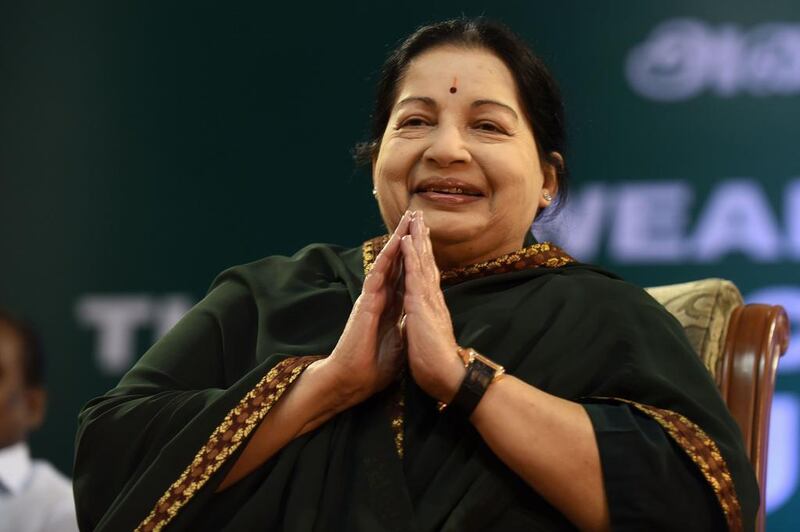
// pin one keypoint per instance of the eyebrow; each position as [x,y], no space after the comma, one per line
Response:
[477,103]
[422,99]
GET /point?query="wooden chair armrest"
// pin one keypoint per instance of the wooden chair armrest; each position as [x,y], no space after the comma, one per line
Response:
[758,335]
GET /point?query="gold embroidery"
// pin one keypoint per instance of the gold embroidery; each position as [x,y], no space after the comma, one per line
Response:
[544,255]
[226,438]
[398,412]
[704,453]
[370,250]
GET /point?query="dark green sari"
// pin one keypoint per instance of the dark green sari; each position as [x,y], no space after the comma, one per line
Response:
[151,452]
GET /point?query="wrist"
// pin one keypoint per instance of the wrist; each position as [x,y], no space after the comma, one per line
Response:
[453,377]
[479,373]
[338,392]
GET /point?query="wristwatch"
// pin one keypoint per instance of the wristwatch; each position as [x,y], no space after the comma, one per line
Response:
[481,372]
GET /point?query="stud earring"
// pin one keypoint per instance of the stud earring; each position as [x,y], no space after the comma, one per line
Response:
[375,192]
[547,196]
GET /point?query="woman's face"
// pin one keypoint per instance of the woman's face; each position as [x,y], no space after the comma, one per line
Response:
[459,148]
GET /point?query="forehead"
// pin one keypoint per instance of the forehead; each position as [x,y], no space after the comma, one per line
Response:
[477,73]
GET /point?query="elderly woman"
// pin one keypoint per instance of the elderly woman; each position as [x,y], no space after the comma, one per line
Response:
[452,375]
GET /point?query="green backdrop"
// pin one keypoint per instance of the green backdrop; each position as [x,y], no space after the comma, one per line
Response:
[146,146]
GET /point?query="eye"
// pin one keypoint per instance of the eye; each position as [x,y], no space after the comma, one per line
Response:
[414,121]
[489,127]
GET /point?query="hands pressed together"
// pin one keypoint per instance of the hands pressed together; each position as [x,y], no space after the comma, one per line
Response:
[400,315]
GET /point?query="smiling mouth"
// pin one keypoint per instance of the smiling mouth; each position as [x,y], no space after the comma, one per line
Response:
[447,186]
[452,190]
[448,192]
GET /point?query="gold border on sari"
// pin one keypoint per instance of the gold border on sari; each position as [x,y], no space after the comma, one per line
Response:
[225,439]
[398,409]
[703,451]
[542,255]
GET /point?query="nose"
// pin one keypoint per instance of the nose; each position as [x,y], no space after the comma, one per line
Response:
[447,146]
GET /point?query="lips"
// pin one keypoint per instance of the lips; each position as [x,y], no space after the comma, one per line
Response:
[448,192]
[448,185]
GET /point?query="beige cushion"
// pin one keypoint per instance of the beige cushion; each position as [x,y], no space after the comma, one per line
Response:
[703,308]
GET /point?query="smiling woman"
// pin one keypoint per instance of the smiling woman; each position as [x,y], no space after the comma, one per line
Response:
[451,375]
[499,139]
[466,159]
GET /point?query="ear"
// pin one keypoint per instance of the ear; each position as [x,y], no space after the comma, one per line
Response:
[36,404]
[550,169]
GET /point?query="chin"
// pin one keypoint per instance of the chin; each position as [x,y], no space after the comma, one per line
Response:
[450,229]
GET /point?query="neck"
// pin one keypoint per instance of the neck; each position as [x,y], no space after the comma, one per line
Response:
[450,255]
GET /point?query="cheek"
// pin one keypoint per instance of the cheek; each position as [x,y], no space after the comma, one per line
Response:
[513,179]
[392,175]
[398,159]
[393,170]
[515,189]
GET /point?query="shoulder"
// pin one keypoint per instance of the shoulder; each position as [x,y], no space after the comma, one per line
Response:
[599,287]
[46,504]
[239,291]
[58,504]
[605,298]
[49,481]
[317,262]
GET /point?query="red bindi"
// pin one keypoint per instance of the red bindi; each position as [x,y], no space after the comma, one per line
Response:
[453,89]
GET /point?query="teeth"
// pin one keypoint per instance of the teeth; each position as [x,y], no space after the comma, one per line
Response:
[448,190]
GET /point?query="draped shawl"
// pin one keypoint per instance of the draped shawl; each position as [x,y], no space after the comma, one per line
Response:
[151,452]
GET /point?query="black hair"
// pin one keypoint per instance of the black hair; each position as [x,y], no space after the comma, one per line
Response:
[539,94]
[32,353]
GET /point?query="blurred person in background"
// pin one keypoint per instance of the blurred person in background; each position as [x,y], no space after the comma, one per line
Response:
[34,496]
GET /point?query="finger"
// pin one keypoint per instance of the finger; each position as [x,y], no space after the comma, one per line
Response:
[417,231]
[395,283]
[411,265]
[430,255]
[387,256]
[395,274]
[391,248]
[398,283]
[421,241]
[404,224]
[403,228]
[411,259]
[394,289]
[430,269]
